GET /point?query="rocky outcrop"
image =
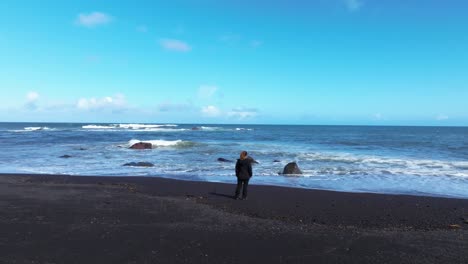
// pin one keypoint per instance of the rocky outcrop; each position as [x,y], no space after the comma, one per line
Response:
[291,168]
[142,145]
[139,164]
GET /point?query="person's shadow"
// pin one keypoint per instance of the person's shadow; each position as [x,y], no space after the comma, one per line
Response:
[223,195]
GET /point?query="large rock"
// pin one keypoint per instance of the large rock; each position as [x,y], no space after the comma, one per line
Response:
[139,164]
[142,145]
[292,168]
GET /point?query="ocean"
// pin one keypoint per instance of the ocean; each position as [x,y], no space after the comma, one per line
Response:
[430,161]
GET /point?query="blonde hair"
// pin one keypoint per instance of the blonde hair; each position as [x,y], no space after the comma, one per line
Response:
[243,155]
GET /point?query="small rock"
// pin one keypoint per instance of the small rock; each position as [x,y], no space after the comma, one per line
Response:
[139,164]
[223,160]
[454,226]
[65,156]
[277,161]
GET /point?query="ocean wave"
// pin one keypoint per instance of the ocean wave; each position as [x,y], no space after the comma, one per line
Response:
[161,130]
[211,128]
[348,164]
[215,128]
[207,128]
[97,127]
[35,128]
[128,126]
[143,126]
[162,143]
[461,165]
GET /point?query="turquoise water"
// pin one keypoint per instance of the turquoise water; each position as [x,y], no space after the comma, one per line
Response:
[402,160]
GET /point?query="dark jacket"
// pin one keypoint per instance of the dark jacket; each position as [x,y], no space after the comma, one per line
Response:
[243,169]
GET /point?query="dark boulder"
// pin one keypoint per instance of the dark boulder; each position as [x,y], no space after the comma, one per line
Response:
[65,156]
[142,145]
[224,160]
[292,168]
[139,164]
[277,161]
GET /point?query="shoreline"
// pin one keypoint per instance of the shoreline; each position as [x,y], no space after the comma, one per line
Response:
[253,183]
[58,218]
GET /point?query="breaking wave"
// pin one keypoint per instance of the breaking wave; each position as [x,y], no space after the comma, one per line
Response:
[30,129]
[162,143]
[134,127]
[215,128]
[348,164]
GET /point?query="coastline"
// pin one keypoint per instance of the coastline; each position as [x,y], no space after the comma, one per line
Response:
[101,219]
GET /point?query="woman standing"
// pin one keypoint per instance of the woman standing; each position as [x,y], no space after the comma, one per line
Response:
[243,173]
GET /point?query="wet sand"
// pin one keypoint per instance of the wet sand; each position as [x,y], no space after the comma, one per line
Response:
[71,219]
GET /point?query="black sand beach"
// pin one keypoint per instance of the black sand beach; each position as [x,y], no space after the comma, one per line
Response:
[71,219]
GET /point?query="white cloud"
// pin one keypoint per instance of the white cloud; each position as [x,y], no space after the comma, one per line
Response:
[31,100]
[441,117]
[207,91]
[93,19]
[32,96]
[211,111]
[116,102]
[175,45]
[256,43]
[142,29]
[353,5]
[243,113]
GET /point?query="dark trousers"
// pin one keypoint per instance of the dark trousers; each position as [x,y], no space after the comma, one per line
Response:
[240,184]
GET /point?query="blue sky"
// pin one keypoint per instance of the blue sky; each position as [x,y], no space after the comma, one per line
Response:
[363,62]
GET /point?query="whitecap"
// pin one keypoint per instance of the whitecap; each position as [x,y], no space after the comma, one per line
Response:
[143,126]
[161,130]
[461,165]
[36,128]
[163,143]
[98,127]
[210,128]
[137,127]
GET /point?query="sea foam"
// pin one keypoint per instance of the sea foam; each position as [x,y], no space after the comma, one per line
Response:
[36,128]
[127,126]
[161,143]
